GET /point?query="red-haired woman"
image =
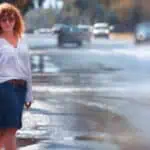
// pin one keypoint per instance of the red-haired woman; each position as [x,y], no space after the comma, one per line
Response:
[15,75]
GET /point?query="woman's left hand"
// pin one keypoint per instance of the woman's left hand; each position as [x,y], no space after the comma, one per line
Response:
[28,104]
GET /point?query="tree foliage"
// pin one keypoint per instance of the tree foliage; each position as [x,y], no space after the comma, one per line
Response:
[96,10]
[82,5]
[41,2]
[106,3]
[23,5]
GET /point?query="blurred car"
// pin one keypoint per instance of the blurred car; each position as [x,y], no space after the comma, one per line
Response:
[29,30]
[70,34]
[86,32]
[42,31]
[142,32]
[57,27]
[101,29]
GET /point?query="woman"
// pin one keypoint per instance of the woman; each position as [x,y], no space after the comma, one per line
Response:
[15,75]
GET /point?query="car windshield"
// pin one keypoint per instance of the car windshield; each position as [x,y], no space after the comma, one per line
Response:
[100,27]
[74,29]
[84,29]
[144,26]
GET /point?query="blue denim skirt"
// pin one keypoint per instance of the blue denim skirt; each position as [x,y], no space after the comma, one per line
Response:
[12,99]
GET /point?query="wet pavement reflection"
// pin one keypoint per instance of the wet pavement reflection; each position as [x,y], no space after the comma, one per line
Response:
[85,100]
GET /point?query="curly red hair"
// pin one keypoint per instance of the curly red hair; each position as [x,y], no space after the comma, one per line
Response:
[9,10]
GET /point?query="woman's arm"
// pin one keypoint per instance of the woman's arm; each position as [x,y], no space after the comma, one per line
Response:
[29,96]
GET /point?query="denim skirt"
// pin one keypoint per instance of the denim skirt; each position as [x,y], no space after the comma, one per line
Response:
[12,99]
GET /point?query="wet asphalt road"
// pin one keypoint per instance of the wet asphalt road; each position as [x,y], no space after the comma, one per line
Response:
[89,98]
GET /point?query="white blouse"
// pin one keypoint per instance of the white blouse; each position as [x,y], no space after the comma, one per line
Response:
[15,64]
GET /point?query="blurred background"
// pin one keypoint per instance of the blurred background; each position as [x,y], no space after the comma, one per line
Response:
[125,14]
[91,74]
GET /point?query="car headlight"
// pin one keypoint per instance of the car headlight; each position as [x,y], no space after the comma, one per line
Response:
[95,31]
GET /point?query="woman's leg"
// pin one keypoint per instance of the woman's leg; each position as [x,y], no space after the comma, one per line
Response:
[1,134]
[9,139]
[10,142]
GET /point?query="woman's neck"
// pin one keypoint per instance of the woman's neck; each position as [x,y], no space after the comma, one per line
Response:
[8,34]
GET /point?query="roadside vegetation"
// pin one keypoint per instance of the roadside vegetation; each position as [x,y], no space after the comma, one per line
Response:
[125,13]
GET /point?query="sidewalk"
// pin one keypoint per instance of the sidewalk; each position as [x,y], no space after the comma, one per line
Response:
[60,123]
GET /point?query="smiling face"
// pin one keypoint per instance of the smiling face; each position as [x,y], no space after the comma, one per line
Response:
[7,22]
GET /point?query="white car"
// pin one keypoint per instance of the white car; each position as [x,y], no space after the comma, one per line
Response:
[101,30]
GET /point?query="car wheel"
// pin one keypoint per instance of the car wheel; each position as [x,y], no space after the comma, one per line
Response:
[60,43]
[95,36]
[138,41]
[107,36]
[79,43]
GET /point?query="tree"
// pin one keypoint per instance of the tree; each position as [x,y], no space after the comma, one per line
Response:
[112,18]
[23,5]
[41,2]
[136,15]
[106,3]
[82,5]
[100,13]
[39,18]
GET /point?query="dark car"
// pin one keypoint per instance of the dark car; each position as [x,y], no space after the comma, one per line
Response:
[57,27]
[86,32]
[70,34]
[142,32]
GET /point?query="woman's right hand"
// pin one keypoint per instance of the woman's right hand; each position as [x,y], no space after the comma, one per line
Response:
[28,105]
